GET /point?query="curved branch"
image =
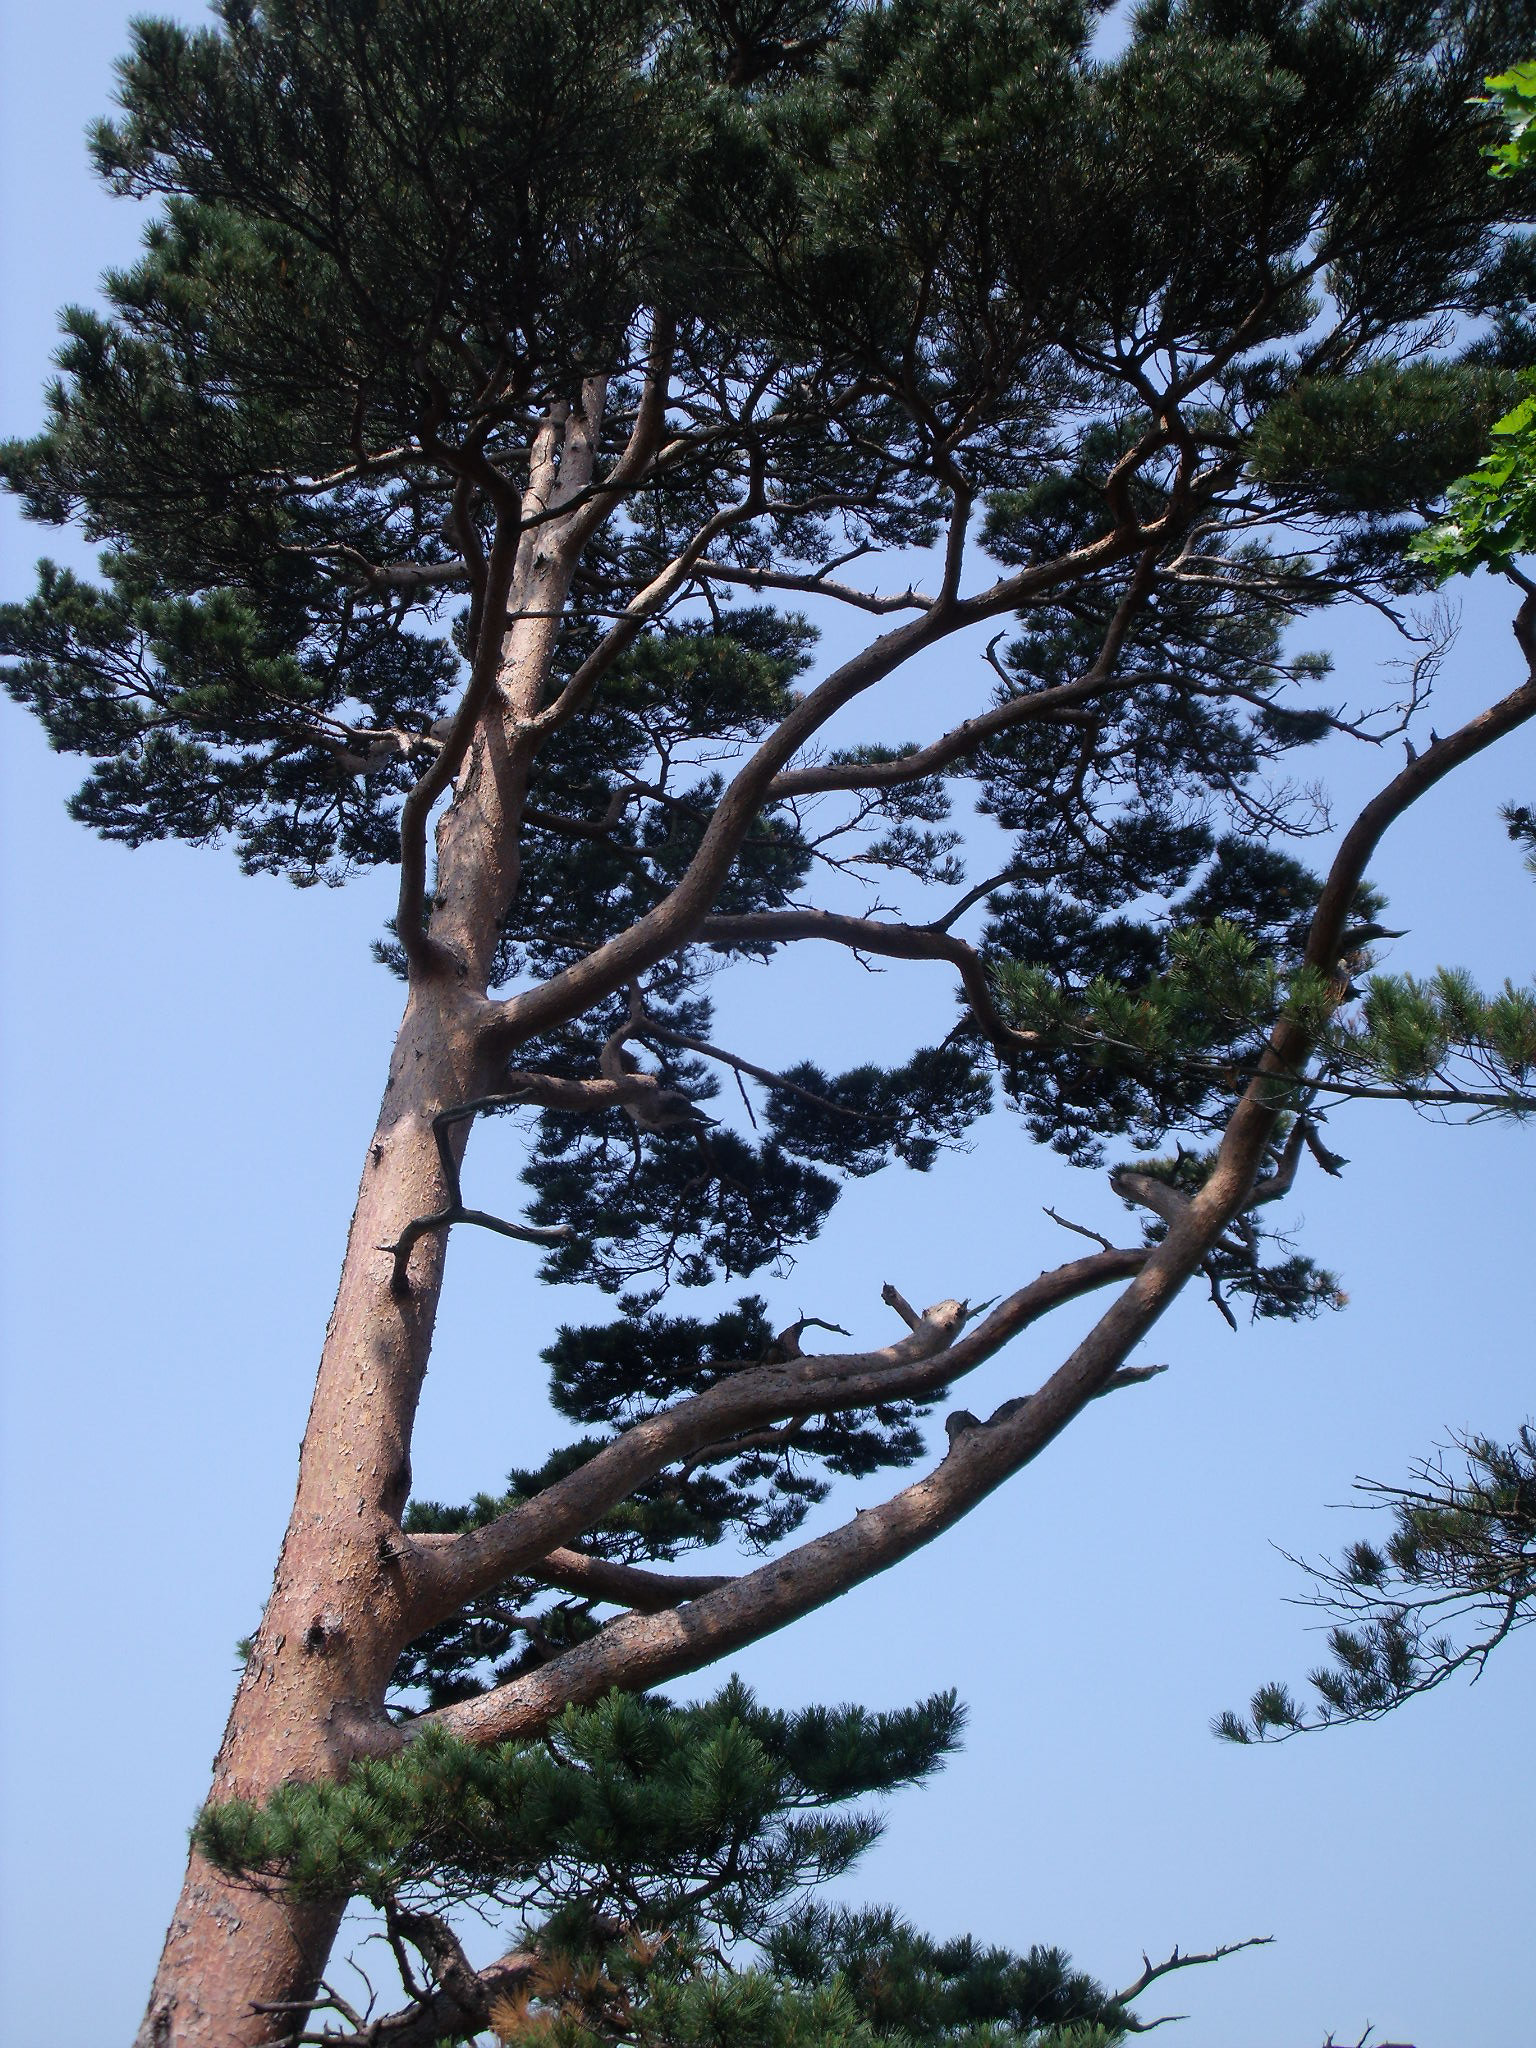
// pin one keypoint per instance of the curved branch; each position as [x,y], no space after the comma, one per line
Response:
[891,941]
[644,438]
[624,1585]
[811,586]
[642,608]
[675,920]
[1151,1972]
[643,1650]
[637,1651]
[916,1366]
[453,1210]
[422,956]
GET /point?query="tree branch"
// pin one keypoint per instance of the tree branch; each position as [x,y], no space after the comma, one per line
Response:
[459,2006]
[453,1210]
[644,438]
[891,941]
[422,956]
[819,584]
[651,1030]
[675,920]
[971,734]
[916,1366]
[626,1585]
[1151,1972]
[637,1651]
[623,1585]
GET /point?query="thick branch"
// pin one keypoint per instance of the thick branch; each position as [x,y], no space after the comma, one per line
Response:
[638,1651]
[915,1367]
[622,1585]
[675,920]
[644,1650]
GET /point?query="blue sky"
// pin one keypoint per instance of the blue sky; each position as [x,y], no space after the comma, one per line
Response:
[191,1064]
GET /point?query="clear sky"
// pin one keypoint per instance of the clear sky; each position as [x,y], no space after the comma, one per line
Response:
[191,1066]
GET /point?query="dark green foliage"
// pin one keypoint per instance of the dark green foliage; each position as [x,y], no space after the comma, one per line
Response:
[1456,1576]
[754,1491]
[685,1205]
[1386,438]
[310,805]
[639,1837]
[614,1373]
[907,1985]
[858,1121]
[634,1810]
[357,204]
[1521,821]
[1150,1025]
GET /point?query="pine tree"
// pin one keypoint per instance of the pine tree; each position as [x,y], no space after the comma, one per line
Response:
[1457,1576]
[662,1861]
[499,379]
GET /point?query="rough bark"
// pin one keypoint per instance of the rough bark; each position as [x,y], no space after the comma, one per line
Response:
[350,1590]
[310,1700]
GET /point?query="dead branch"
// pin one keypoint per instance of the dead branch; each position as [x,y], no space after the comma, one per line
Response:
[1080,1229]
[1151,1972]
[899,1302]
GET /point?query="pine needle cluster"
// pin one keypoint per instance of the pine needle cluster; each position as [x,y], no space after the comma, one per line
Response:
[661,1862]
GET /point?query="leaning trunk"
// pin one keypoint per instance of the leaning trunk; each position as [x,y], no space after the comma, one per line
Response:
[310,1700]
[239,1965]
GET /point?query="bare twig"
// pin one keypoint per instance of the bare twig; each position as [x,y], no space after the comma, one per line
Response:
[1151,1972]
[1081,1229]
[453,1210]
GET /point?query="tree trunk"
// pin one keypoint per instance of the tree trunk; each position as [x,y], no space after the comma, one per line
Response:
[310,1701]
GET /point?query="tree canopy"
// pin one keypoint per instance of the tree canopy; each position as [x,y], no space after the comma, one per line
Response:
[507,392]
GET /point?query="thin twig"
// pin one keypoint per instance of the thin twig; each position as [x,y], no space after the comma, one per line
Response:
[453,1210]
